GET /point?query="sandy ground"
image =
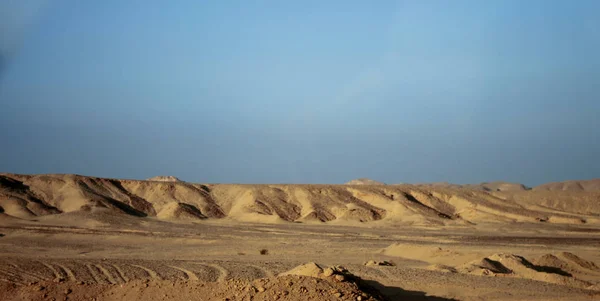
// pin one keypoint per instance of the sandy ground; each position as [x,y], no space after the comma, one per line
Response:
[80,259]
[70,237]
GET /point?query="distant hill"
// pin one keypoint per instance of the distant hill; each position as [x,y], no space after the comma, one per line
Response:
[583,185]
[108,200]
[498,186]
[164,179]
[364,181]
[491,186]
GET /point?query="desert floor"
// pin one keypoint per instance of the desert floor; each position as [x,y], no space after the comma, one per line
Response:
[110,256]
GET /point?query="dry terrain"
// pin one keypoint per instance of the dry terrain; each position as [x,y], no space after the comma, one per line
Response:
[69,237]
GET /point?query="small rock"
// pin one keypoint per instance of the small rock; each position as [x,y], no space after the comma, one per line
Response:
[261,289]
[379,263]
[59,280]
[68,291]
[38,288]
[339,278]
[338,295]
[359,298]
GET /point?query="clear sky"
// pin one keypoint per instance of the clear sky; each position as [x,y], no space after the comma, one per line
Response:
[302,91]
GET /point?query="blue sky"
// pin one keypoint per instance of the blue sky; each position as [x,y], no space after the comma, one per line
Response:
[302,91]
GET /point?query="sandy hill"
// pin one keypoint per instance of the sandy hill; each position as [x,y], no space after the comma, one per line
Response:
[30,196]
[164,179]
[498,186]
[486,186]
[364,181]
[587,185]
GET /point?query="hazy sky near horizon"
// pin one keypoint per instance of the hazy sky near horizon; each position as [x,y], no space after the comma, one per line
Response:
[302,91]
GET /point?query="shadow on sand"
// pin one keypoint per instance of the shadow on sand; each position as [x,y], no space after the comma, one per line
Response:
[392,293]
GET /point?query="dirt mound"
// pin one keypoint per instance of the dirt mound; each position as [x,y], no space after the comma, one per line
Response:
[364,181]
[164,179]
[484,266]
[579,261]
[280,288]
[310,269]
[517,266]
[570,264]
[335,274]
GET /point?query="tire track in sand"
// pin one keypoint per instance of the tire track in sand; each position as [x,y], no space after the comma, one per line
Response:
[190,275]
[19,283]
[20,275]
[94,273]
[29,273]
[57,274]
[67,271]
[107,274]
[120,272]
[153,275]
[265,271]
[10,275]
[224,272]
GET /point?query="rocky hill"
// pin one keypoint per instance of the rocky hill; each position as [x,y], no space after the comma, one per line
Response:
[31,196]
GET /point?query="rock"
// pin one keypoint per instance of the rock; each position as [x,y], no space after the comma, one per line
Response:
[338,295]
[328,272]
[339,278]
[378,263]
[261,289]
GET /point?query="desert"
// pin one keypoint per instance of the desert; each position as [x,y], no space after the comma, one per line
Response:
[299,150]
[72,237]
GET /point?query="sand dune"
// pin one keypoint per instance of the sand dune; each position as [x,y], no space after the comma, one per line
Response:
[30,196]
[563,268]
